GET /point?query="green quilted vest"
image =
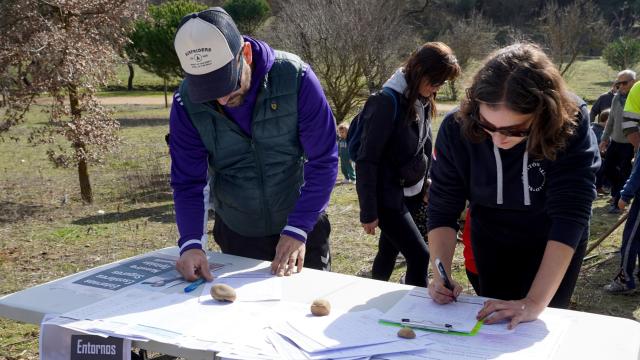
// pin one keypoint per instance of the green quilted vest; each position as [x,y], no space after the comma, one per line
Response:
[257,179]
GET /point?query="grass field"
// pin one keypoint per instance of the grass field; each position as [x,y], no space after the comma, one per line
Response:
[46,232]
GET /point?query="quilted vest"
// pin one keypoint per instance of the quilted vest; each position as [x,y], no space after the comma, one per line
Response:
[257,179]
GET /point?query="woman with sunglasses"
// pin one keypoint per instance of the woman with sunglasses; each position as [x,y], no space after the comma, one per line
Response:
[520,151]
[393,159]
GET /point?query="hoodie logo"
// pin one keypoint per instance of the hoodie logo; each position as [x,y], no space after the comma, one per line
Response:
[537,177]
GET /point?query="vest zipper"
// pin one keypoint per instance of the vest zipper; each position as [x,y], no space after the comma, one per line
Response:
[263,201]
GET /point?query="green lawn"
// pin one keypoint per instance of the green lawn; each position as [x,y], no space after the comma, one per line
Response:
[142,80]
[589,78]
[44,237]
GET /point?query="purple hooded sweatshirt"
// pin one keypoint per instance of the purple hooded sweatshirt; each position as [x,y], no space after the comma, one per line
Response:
[317,135]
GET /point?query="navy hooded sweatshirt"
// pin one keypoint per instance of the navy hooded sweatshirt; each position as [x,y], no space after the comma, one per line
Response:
[516,201]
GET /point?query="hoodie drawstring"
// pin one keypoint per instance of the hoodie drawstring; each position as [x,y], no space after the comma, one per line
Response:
[499,176]
[496,152]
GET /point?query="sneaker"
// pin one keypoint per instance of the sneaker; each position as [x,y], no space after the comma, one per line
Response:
[617,286]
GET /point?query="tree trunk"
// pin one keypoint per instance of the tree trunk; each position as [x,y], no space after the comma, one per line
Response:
[166,102]
[83,169]
[85,183]
[131,73]
[452,89]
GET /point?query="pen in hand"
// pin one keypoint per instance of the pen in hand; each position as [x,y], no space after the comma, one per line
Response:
[194,285]
[445,278]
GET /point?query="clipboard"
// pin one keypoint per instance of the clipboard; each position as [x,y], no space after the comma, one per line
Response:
[442,329]
[418,311]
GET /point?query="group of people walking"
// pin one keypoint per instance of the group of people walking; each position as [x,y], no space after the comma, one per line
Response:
[518,153]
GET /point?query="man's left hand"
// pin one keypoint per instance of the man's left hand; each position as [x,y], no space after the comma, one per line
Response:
[288,251]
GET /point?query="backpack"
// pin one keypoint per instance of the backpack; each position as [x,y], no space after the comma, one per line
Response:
[355,129]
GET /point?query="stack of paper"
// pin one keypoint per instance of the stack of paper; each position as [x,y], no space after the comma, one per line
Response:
[340,335]
[538,339]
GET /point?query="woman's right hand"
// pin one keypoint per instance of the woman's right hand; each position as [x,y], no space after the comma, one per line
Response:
[370,228]
[440,294]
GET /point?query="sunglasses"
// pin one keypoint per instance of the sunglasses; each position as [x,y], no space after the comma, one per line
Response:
[509,131]
[621,83]
[240,64]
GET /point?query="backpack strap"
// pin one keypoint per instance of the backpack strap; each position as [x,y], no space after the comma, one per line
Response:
[422,140]
[392,93]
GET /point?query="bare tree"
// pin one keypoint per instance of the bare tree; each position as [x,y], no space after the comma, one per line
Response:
[66,49]
[470,38]
[351,44]
[571,30]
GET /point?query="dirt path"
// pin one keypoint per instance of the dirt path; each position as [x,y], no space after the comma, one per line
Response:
[159,100]
[135,100]
[122,100]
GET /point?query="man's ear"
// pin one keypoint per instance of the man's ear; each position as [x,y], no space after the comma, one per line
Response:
[247,52]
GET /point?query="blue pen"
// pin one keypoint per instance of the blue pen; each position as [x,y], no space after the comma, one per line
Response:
[194,285]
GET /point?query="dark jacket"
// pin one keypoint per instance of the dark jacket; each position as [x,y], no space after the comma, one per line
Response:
[389,158]
[552,201]
[603,102]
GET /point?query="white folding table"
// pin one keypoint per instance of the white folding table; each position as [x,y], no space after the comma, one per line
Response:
[584,340]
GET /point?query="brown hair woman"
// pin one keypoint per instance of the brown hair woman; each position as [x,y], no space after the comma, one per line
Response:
[520,151]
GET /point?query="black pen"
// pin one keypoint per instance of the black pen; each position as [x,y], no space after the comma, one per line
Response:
[445,278]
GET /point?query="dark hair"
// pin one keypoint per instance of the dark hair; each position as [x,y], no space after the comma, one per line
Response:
[522,78]
[433,61]
[604,115]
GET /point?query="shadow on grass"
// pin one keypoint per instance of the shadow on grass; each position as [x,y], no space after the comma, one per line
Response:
[128,123]
[11,212]
[147,197]
[606,84]
[161,214]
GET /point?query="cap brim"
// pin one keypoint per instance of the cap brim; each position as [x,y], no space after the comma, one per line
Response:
[214,85]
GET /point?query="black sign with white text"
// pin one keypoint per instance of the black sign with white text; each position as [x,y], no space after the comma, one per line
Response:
[92,347]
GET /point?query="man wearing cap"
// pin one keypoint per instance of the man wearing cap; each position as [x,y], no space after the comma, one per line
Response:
[257,118]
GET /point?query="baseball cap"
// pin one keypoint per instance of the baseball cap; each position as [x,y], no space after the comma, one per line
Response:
[208,44]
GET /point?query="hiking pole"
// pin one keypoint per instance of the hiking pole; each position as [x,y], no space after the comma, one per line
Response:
[607,233]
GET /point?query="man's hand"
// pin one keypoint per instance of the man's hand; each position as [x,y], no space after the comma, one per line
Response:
[193,265]
[622,204]
[288,251]
[603,146]
[370,228]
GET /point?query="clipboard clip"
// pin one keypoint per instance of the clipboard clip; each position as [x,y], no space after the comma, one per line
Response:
[427,325]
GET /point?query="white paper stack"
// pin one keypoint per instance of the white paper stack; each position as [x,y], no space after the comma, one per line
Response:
[262,327]
[340,335]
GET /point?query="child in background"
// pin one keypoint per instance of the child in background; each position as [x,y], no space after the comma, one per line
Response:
[624,283]
[598,129]
[343,152]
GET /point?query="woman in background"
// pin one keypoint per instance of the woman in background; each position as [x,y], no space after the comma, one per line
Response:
[394,157]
